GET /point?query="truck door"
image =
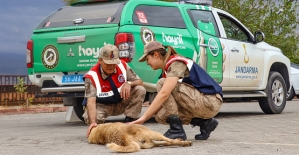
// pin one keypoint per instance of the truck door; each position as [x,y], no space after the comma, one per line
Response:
[208,48]
[246,58]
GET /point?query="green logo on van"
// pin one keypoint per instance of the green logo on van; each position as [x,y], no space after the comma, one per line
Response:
[50,57]
[147,35]
[214,47]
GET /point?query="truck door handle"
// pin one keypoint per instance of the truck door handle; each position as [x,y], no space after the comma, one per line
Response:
[235,50]
[203,45]
[72,39]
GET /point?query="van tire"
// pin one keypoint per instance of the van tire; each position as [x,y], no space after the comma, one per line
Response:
[276,92]
[78,108]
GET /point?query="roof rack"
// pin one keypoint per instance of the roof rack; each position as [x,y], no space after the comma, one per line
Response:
[198,2]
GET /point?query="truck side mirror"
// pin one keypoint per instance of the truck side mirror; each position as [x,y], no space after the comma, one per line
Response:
[259,36]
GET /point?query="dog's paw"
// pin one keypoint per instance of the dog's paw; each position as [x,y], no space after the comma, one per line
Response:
[187,143]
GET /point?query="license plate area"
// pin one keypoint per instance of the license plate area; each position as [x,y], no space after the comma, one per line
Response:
[77,78]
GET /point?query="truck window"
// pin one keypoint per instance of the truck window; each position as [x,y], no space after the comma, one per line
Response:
[95,13]
[158,16]
[233,30]
[206,20]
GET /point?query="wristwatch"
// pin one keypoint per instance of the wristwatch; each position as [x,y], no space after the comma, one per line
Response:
[129,82]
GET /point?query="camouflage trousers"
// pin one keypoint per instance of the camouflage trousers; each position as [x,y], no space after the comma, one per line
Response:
[130,107]
[187,102]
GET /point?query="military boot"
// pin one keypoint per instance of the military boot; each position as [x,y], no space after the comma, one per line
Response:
[206,127]
[128,119]
[176,128]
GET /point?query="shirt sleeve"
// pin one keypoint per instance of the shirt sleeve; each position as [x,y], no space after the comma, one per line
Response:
[90,90]
[131,75]
[177,69]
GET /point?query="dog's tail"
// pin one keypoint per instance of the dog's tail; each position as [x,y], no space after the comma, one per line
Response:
[132,147]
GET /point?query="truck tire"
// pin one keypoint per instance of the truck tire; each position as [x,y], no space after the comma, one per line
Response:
[276,91]
[291,95]
[78,108]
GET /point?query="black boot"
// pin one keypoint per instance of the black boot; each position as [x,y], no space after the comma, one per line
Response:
[176,128]
[206,127]
[128,119]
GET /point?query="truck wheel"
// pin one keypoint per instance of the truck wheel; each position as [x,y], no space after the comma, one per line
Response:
[290,95]
[276,90]
[78,108]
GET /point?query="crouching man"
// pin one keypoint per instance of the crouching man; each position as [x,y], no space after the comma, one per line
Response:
[111,88]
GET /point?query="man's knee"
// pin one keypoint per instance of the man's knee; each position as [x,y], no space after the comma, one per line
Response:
[100,118]
[139,91]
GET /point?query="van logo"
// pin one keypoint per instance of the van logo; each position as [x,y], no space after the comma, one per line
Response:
[89,51]
[213,46]
[147,35]
[50,57]
[70,54]
[173,39]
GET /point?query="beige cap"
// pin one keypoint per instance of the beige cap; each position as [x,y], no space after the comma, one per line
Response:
[109,53]
[151,46]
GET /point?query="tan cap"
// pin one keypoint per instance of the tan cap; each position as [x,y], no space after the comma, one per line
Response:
[151,46]
[109,54]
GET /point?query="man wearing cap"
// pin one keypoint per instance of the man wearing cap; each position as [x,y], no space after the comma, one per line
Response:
[112,88]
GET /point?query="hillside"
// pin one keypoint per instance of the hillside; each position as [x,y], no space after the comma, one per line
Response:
[12,64]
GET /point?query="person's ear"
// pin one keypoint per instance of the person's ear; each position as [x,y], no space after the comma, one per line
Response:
[156,54]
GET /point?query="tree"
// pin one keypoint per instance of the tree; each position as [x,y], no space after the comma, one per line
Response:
[277,19]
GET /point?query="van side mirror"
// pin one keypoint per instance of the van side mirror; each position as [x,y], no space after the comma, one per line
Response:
[259,36]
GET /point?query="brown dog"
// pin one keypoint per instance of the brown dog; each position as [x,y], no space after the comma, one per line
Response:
[122,137]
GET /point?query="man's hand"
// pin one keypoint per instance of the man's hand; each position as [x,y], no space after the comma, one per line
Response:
[90,127]
[125,91]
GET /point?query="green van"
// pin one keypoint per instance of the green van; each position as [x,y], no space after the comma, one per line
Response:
[66,44]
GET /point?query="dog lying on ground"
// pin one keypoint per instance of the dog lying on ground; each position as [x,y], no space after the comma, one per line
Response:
[123,137]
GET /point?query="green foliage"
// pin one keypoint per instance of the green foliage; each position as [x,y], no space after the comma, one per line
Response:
[277,19]
[30,99]
[20,86]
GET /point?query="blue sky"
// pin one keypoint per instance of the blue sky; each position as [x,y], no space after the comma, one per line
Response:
[18,20]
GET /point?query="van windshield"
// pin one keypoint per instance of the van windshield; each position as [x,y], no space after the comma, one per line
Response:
[88,14]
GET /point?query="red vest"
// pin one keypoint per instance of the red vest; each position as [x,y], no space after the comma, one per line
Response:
[103,87]
[198,78]
[171,60]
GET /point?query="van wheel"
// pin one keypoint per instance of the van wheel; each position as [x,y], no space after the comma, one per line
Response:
[78,108]
[291,95]
[276,90]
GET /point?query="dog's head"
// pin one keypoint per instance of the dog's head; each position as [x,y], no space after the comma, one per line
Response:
[92,138]
[98,133]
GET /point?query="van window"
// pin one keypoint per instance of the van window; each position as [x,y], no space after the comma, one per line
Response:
[205,21]
[95,13]
[158,16]
[233,30]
